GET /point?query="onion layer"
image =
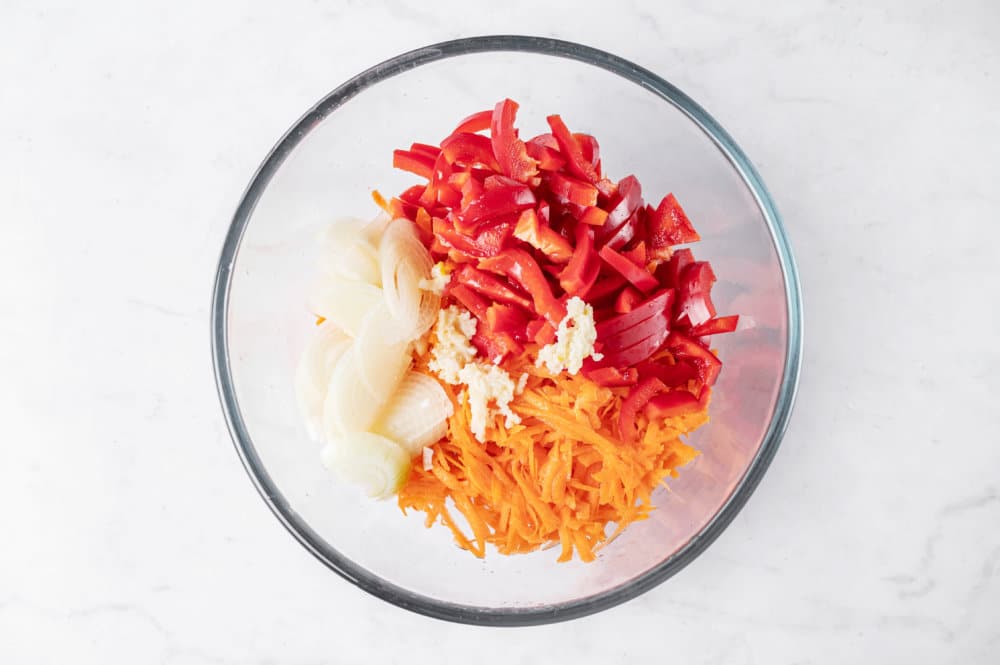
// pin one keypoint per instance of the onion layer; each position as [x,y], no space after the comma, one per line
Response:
[404,263]
[377,464]
[417,415]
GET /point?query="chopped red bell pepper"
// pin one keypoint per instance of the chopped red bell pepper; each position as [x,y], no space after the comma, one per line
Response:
[469,150]
[425,149]
[581,272]
[668,225]
[640,277]
[414,162]
[669,273]
[495,347]
[472,301]
[637,254]
[510,151]
[591,150]
[637,399]
[612,377]
[694,299]
[507,320]
[498,199]
[707,363]
[572,152]
[609,283]
[542,237]
[545,150]
[722,324]
[593,216]
[541,331]
[659,303]
[491,287]
[518,265]
[477,122]
[488,241]
[675,403]
[627,299]
[674,376]
[572,190]
[412,194]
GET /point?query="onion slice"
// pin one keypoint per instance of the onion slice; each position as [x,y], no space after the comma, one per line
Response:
[405,263]
[344,302]
[349,253]
[312,376]
[417,415]
[377,464]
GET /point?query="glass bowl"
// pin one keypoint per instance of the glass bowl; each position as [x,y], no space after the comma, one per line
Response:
[325,167]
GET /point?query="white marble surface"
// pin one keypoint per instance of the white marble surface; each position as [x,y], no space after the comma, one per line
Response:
[132,535]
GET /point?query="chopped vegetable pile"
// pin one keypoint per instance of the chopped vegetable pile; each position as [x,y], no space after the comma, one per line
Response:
[539,342]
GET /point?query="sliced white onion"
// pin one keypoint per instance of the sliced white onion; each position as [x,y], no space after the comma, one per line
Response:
[373,230]
[377,464]
[417,415]
[383,354]
[312,377]
[349,253]
[348,406]
[344,302]
[404,263]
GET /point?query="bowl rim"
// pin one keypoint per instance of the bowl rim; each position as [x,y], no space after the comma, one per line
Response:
[316,545]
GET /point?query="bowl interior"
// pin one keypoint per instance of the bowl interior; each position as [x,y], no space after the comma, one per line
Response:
[332,162]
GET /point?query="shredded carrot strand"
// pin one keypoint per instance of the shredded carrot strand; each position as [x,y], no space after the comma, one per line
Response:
[561,477]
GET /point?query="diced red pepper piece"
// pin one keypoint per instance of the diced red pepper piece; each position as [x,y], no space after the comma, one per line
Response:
[572,152]
[541,331]
[573,190]
[509,150]
[518,265]
[652,333]
[627,299]
[507,320]
[608,284]
[495,347]
[470,150]
[477,122]
[675,403]
[542,237]
[631,405]
[414,162]
[581,272]
[593,216]
[639,277]
[472,189]
[694,301]
[491,287]
[612,377]
[707,363]
[674,376]
[545,150]
[607,188]
[626,232]
[669,273]
[657,304]
[472,301]
[669,225]
[591,150]
[488,241]
[626,201]
[637,254]
[722,324]
[498,199]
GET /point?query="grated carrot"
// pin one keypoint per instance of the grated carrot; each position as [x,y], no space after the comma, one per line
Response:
[561,477]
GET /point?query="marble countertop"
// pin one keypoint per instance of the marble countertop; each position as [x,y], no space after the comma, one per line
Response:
[131,534]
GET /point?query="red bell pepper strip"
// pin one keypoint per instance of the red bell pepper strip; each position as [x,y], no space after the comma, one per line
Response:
[627,299]
[656,326]
[694,300]
[519,266]
[488,241]
[626,201]
[722,324]
[545,150]
[593,216]
[470,150]
[612,377]
[472,301]
[477,122]
[507,320]
[639,277]
[669,273]
[707,363]
[491,287]
[509,150]
[572,190]
[412,194]
[542,237]
[675,403]
[659,303]
[572,152]
[579,275]
[425,149]
[496,201]
[414,162]
[669,225]
[609,284]
[637,399]
[591,150]
[495,347]
[653,331]
[637,255]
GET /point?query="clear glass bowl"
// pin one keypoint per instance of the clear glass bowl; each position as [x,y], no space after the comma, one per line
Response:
[326,166]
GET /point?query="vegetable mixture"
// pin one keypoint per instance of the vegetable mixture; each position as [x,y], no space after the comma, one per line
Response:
[516,346]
